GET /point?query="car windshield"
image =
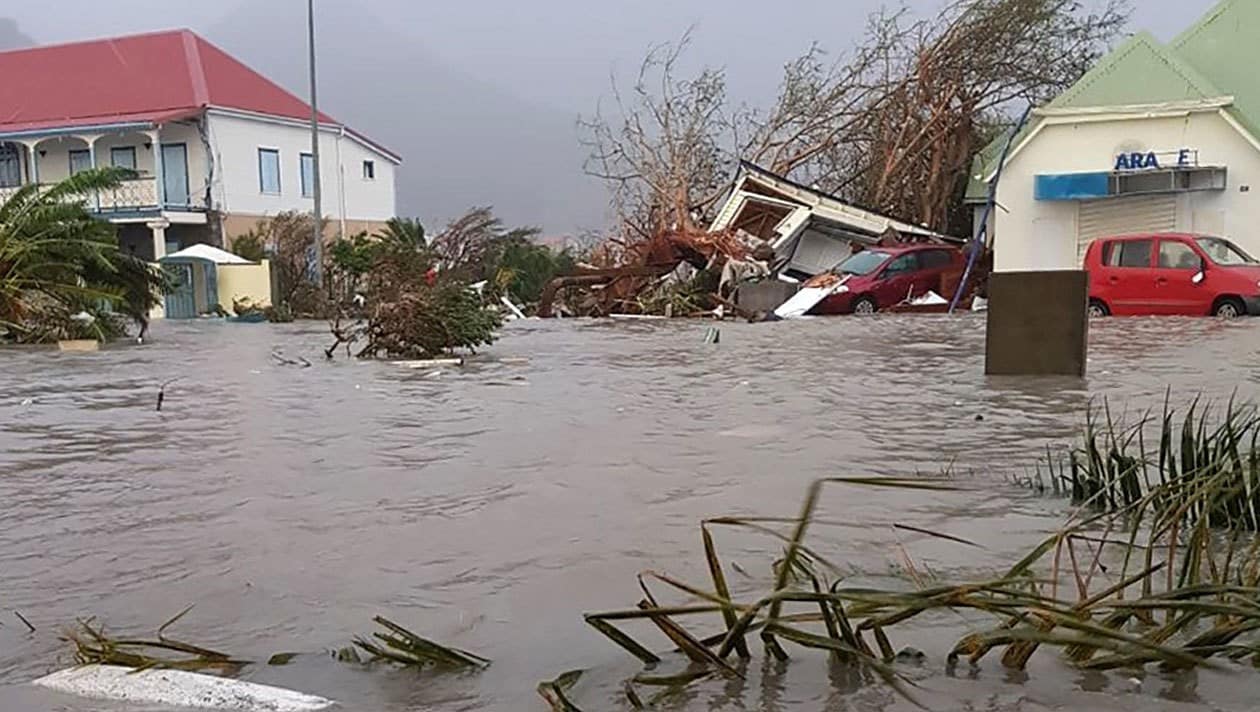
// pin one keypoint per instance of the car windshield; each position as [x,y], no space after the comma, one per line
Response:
[1223,252]
[863,262]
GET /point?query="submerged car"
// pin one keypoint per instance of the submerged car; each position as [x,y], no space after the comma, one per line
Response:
[1172,274]
[882,277]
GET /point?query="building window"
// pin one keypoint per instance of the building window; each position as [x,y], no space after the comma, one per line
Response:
[369,170]
[10,165]
[308,175]
[123,157]
[80,160]
[269,171]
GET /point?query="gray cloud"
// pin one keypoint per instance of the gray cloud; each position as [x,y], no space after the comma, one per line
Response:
[481,97]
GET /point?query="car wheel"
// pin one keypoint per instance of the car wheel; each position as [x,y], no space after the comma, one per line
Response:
[1229,309]
[865,305]
[1097,309]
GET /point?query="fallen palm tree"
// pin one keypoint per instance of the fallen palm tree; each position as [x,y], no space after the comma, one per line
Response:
[1138,575]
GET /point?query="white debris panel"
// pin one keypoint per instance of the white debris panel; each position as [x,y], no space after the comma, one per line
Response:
[175,688]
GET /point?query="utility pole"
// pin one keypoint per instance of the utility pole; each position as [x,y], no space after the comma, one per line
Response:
[318,189]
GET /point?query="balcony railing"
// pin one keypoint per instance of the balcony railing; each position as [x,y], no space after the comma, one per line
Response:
[130,196]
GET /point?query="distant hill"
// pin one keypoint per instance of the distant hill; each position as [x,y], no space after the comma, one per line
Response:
[11,37]
[464,142]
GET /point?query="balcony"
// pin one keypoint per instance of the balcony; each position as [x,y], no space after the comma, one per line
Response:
[138,196]
[170,164]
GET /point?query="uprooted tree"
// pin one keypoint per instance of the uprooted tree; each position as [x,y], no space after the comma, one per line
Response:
[400,295]
[893,125]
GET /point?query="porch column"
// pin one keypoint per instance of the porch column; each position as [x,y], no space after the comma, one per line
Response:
[32,161]
[159,237]
[91,140]
[160,190]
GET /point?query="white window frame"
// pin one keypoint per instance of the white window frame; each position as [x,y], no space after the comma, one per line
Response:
[262,187]
[369,169]
[308,191]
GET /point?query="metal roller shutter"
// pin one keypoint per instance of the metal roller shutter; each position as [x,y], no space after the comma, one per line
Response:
[1124,216]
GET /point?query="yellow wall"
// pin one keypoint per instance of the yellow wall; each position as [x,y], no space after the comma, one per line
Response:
[237,224]
[245,281]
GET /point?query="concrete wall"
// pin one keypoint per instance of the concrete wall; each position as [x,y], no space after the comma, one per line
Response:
[236,142]
[251,282]
[1036,324]
[1041,235]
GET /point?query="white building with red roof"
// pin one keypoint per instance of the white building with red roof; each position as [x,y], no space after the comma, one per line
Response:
[216,146]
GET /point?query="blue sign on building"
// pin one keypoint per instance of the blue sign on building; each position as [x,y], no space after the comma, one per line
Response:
[1137,161]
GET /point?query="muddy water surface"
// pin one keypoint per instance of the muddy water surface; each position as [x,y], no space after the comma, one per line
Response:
[490,506]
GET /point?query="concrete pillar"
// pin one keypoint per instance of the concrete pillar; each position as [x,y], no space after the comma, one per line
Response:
[159,238]
[1037,324]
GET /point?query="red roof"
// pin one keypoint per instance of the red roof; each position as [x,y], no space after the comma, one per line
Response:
[149,78]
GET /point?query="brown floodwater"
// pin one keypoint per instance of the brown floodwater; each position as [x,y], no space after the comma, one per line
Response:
[490,506]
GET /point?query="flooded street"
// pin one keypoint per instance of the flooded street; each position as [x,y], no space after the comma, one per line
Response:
[488,507]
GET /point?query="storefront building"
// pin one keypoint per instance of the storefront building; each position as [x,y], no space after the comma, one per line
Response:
[1156,138]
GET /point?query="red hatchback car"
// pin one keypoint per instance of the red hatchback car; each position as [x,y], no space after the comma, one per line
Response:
[1190,275]
[881,277]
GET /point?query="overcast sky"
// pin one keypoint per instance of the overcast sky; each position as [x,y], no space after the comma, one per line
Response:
[560,52]
[481,97]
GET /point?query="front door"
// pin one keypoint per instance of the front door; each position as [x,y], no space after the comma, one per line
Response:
[175,174]
[1175,289]
[181,303]
[1127,279]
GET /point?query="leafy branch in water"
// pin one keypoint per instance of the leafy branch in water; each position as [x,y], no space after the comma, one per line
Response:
[1174,595]
[399,645]
[94,646]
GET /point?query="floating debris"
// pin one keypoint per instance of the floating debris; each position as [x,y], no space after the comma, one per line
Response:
[25,622]
[555,692]
[162,393]
[282,658]
[431,362]
[177,688]
[93,646]
[287,361]
[403,647]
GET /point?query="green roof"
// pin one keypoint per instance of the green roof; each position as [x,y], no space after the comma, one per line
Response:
[1225,46]
[1216,57]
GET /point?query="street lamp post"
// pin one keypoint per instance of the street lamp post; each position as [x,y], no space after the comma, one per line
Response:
[317,193]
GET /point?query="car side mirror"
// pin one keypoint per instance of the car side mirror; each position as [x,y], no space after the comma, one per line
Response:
[1202,273]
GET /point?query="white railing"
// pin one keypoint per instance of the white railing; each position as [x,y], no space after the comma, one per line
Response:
[130,195]
[136,195]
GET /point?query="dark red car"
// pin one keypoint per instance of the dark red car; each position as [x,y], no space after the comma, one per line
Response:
[1178,274]
[881,277]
